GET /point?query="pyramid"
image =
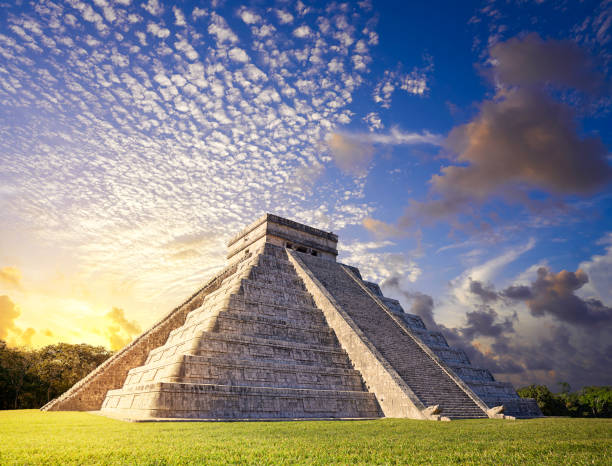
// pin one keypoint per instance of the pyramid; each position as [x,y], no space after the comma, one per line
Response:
[286,332]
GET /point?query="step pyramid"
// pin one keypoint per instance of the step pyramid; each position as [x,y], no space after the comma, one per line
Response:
[286,332]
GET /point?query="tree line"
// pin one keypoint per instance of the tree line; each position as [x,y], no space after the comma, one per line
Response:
[29,378]
[591,401]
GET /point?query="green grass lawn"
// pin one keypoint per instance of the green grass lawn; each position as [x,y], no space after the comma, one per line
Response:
[32,437]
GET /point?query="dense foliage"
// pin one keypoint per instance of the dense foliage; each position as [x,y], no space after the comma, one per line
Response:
[31,377]
[588,402]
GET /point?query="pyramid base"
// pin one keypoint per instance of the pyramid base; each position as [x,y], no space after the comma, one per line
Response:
[171,401]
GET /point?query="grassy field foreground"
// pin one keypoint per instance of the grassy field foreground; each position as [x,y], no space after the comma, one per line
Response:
[30,436]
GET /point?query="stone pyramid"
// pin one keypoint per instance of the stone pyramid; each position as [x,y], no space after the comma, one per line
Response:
[286,332]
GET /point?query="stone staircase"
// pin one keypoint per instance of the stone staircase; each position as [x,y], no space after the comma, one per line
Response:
[257,348]
[480,381]
[431,382]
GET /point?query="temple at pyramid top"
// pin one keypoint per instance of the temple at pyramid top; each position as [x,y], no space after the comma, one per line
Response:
[285,233]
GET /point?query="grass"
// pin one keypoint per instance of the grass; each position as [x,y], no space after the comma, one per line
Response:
[32,437]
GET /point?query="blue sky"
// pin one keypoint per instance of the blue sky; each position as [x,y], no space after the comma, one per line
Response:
[461,151]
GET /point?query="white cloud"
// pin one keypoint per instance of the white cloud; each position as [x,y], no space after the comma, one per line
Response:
[599,270]
[302,32]
[158,31]
[153,7]
[179,17]
[193,126]
[248,16]
[219,28]
[284,17]
[238,55]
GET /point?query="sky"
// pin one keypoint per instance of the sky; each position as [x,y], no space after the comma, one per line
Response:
[460,150]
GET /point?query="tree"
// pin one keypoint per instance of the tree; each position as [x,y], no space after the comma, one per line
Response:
[549,404]
[60,366]
[30,378]
[14,364]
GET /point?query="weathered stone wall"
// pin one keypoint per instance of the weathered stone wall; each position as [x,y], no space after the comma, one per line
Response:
[88,394]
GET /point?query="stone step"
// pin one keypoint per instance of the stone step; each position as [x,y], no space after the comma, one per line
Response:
[245,372]
[308,320]
[216,344]
[469,373]
[402,349]
[275,294]
[305,317]
[231,325]
[413,321]
[493,390]
[266,308]
[254,325]
[449,354]
[276,278]
[431,337]
[212,401]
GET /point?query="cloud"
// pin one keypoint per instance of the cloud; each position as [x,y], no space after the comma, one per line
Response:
[195,128]
[373,120]
[554,294]
[121,331]
[158,31]
[421,304]
[238,55]
[381,229]
[302,32]
[248,16]
[599,270]
[486,293]
[414,83]
[353,152]
[376,265]
[8,313]
[349,154]
[482,322]
[522,139]
[284,16]
[10,276]
[531,61]
[153,7]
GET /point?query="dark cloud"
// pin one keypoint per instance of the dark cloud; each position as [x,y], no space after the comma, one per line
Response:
[554,294]
[486,293]
[574,348]
[421,304]
[518,292]
[482,322]
[531,61]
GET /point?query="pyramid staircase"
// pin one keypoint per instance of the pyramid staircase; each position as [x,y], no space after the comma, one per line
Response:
[257,348]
